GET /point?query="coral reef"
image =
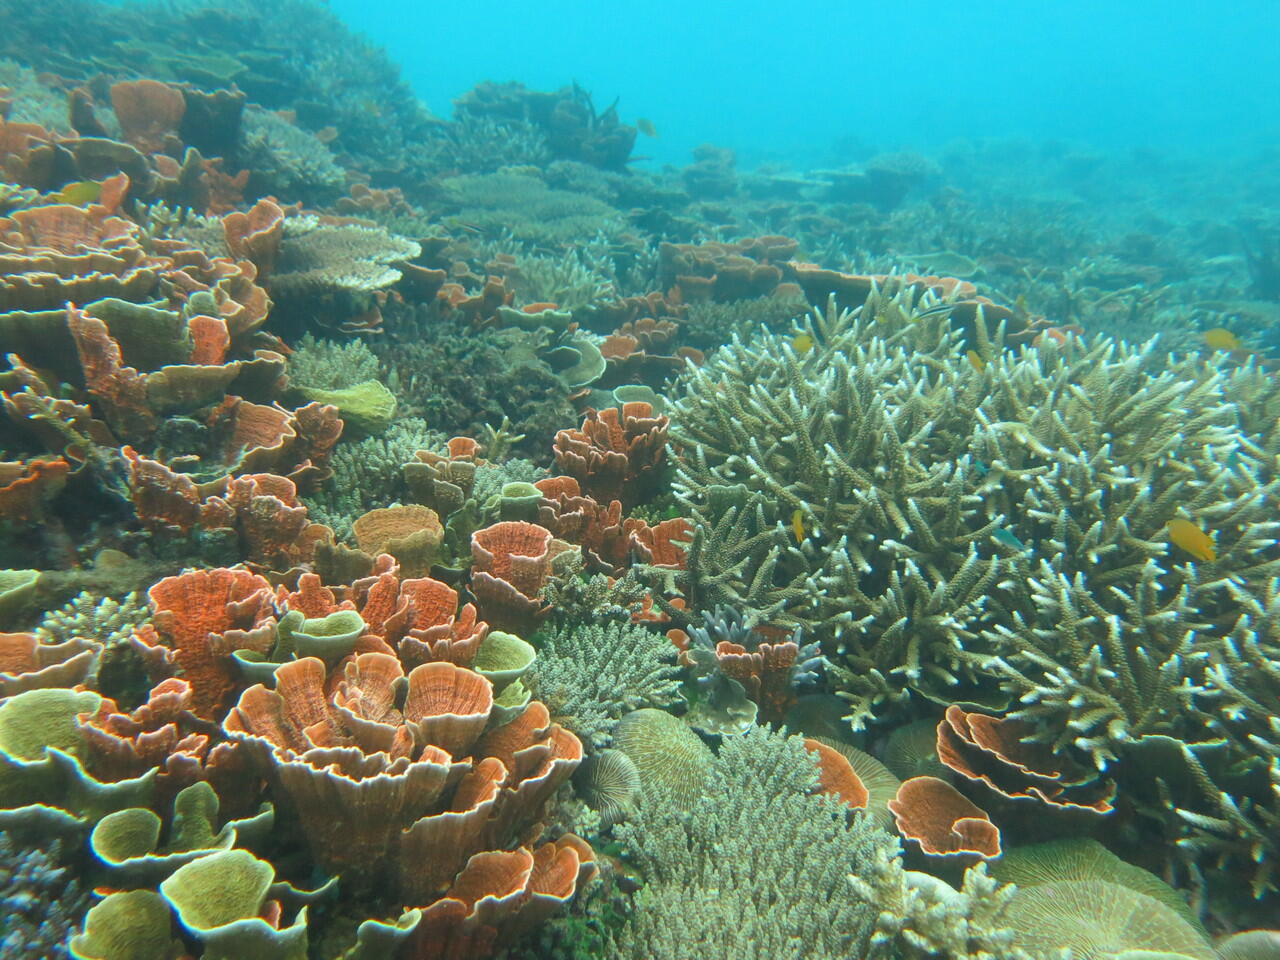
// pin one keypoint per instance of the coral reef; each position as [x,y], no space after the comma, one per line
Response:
[696,889]
[591,675]
[456,538]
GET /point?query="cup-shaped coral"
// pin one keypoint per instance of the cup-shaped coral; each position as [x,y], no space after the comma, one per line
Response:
[219,898]
[389,769]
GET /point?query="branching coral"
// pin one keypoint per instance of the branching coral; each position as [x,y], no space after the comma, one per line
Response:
[960,520]
[368,474]
[591,675]
[758,809]
[42,901]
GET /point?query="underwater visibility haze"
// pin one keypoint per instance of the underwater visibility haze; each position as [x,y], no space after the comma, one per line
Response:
[566,481]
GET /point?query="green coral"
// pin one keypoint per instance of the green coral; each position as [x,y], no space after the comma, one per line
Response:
[331,365]
[591,675]
[218,899]
[526,207]
[975,524]
[367,408]
[758,866]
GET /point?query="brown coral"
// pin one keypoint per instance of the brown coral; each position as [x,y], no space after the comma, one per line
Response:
[380,800]
[199,619]
[943,821]
[615,455]
[511,562]
[996,752]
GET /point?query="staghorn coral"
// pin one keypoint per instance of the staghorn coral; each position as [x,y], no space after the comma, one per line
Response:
[287,160]
[923,917]
[1228,806]
[591,675]
[958,524]
[479,144]
[109,622]
[31,101]
[330,365]
[758,809]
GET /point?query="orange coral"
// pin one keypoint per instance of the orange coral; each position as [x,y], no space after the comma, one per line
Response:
[54,254]
[256,236]
[269,521]
[149,113]
[724,271]
[498,895]
[257,438]
[599,530]
[121,746]
[995,751]
[28,664]
[431,627]
[162,499]
[379,798]
[199,619]
[615,455]
[765,673]
[836,775]
[943,821]
[511,562]
[27,486]
[120,389]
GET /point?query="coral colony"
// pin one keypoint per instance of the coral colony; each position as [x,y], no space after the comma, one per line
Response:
[429,539]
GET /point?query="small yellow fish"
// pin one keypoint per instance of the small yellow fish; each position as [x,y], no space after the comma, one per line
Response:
[1185,534]
[975,360]
[797,524]
[802,343]
[79,194]
[645,126]
[1220,338]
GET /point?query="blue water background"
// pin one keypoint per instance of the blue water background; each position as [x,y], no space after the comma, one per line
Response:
[817,83]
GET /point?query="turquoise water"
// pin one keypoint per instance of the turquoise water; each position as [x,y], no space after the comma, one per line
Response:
[566,481]
[784,83]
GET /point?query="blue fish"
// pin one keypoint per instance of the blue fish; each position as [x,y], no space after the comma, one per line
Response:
[1010,539]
